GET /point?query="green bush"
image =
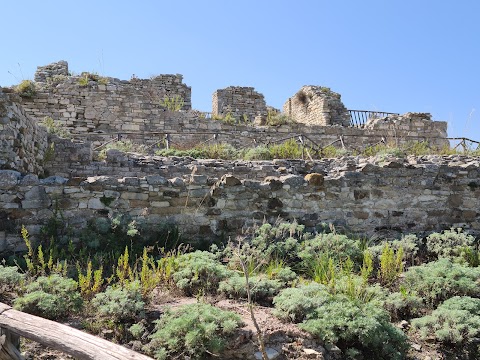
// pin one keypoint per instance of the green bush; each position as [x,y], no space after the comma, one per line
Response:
[26,89]
[51,297]
[410,244]
[55,128]
[357,328]
[299,304]
[199,271]
[209,151]
[323,256]
[257,153]
[120,303]
[449,243]
[403,304]
[10,277]
[192,331]
[442,279]
[261,286]
[456,321]
[124,146]
[279,241]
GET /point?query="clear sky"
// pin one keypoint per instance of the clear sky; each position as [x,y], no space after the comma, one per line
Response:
[394,56]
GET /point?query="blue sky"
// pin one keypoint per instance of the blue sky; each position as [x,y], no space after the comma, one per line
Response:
[393,56]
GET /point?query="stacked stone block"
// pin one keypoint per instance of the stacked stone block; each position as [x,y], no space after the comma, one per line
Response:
[243,103]
[367,196]
[22,143]
[317,105]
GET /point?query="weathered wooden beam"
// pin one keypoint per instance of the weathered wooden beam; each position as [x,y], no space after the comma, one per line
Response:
[61,337]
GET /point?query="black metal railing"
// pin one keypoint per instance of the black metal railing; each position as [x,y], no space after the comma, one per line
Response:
[358,118]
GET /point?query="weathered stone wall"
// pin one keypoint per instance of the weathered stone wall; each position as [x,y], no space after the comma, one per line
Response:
[51,72]
[22,143]
[103,104]
[239,102]
[317,105]
[370,196]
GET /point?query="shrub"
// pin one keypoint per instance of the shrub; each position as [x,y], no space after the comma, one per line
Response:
[124,146]
[279,241]
[391,264]
[173,104]
[55,128]
[192,330]
[449,243]
[410,245]
[299,304]
[403,304]
[441,279]
[258,153]
[10,277]
[26,89]
[120,303]
[276,119]
[338,247]
[359,328]
[262,287]
[52,297]
[456,321]
[356,289]
[199,271]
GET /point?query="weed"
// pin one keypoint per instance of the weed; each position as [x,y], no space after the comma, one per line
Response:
[26,89]
[192,330]
[173,104]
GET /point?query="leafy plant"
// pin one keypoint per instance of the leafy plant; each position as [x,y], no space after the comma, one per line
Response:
[120,303]
[124,146]
[173,104]
[55,128]
[26,89]
[50,296]
[442,279]
[299,304]
[404,304]
[332,245]
[261,287]
[455,322]
[449,243]
[391,264]
[192,330]
[90,283]
[10,280]
[364,327]
[199,271]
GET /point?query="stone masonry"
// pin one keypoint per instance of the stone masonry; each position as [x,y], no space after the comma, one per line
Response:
[211,198]
[370,196]
[23,144]
[317,105]
[243,103]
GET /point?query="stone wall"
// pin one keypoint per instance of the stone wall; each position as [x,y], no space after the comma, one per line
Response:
[317,105]
[23,144]
[370,196]
[243,103]
[51,72]
[90,103]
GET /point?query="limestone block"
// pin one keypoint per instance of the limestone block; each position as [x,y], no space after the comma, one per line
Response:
[36,198]
[9,178]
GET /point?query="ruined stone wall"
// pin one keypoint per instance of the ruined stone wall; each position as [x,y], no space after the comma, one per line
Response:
[371,196]
[90,103]
[317,105]
[23,144]
[240,102]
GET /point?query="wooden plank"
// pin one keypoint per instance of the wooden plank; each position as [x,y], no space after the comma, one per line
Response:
[61,337]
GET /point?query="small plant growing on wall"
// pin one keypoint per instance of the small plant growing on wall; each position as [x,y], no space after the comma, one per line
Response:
[26,89]
[172,103]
